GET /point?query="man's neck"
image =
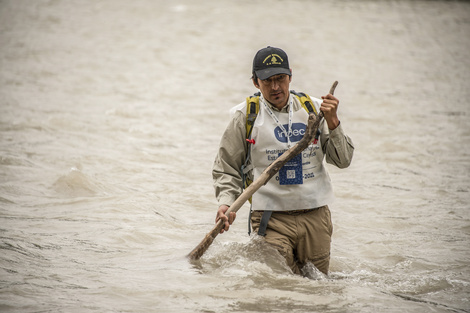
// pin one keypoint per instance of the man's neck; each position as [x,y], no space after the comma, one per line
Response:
[278,107]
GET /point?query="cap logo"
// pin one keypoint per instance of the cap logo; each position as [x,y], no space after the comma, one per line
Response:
[273,59]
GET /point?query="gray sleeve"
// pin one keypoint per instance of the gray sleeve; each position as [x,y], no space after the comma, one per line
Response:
[337,146]
[226,174]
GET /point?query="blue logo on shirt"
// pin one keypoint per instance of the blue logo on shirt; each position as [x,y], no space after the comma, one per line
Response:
[296,133]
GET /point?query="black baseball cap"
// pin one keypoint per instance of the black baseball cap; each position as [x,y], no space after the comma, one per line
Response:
[270,61]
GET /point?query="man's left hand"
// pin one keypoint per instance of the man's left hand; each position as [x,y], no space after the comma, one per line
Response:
[329,107]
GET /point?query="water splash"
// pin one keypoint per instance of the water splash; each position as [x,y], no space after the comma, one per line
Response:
[76,184]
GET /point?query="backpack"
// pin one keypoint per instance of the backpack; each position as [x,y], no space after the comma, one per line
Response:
[252,110]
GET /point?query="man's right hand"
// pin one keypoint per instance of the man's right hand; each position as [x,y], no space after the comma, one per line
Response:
[227,220]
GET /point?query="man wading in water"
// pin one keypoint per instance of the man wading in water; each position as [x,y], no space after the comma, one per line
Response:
[291,210]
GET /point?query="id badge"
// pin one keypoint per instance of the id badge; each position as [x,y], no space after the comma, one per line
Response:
[291,172]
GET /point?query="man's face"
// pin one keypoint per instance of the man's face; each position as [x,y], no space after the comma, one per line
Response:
[275,89]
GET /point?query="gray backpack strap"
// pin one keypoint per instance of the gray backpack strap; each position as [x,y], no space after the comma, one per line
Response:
[249,222]
[264,223]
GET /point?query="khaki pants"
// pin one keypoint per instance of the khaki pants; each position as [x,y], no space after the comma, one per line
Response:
[300,238]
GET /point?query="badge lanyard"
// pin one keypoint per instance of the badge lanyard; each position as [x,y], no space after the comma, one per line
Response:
[276,120]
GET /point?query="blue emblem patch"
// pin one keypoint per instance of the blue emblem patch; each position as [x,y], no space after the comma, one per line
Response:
[297,132]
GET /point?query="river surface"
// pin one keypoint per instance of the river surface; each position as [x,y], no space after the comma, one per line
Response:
[111,114]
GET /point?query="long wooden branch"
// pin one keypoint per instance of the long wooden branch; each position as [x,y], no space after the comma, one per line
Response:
[268,173]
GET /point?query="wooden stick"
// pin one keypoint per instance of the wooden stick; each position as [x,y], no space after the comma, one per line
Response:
[268,173]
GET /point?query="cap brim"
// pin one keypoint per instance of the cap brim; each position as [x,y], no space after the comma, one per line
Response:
[266,73]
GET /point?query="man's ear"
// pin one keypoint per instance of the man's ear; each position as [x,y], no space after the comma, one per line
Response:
[255,83]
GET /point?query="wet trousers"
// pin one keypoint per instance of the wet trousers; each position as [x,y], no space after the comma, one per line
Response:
[300,237]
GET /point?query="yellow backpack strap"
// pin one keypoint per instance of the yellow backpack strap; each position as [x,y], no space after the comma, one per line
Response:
[306,102]
[252,110]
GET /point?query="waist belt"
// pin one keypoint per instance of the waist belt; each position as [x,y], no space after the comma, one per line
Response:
[296,212]
[292,212]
